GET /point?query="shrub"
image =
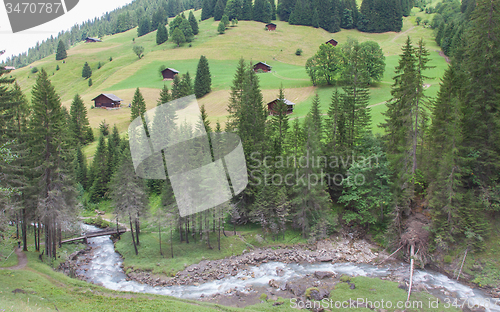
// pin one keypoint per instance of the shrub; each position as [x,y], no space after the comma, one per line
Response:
[110,58]
[448,259]
[309,290]
[90,82]
[418,20]
[263,297]
[57,67]
[34,70]
[298,52]
[99,65]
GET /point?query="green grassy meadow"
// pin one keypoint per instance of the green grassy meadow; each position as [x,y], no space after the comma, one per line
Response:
[126,71]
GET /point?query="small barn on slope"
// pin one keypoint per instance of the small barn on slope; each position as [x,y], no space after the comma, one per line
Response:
[107,101]
[262,66]
[169,73]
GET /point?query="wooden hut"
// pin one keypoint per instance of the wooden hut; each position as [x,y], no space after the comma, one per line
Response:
[333,42]
[271,27]
[107,101]
[271,106]
[90,39]
[262,66]
[169,73]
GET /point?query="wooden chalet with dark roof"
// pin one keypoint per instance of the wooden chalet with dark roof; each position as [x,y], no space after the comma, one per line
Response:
[169,73]
[262,66]
[271,27]
[333,42]
[271,106]
[90,39]
[107,101]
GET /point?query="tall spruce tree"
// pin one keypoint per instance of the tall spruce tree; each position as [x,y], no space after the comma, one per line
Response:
[81,168]
[203,79]
[193,22]
[128,194]
[138,106]
[100,173]
[219,10]
[61,53]
[51,157]
[86,71]
[161,34]
[79,123]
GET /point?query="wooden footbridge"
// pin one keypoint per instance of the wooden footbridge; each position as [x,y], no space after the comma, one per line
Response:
[95,234]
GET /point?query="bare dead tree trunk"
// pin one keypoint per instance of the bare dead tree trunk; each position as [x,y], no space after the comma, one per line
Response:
[38,229]
[213,220]
[132,232]
[460,272]
[411,271]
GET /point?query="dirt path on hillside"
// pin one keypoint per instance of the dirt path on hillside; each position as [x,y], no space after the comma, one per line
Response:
[22,260]
[402,34]
[441,53]
[275,74]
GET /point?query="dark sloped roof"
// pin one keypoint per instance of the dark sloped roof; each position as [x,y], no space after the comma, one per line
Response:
[91,38]
[271,24]
[287,102]
[171,69]
[109,96]
[263,63]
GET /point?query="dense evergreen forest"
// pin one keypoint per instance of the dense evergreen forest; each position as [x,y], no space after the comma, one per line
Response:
[430,181]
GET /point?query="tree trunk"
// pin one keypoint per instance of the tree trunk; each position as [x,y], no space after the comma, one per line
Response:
[207,228]
[137,230]
[172,242]
[159,234]
[17,225]
[132,232]
[35,236]
[24,231]
[187,229]
[463,261]
[38,229]
[218,238]
[180,229]
[411,271]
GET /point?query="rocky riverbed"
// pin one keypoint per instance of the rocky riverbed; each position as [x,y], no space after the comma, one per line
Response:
[331,251]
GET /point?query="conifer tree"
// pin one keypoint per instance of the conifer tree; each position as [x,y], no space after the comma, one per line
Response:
[79,123]
[262,11]
[193,22]
[81,168]
[279,122]
[165,96]
[86,71]
[203,79]
[185,27]
[128,194]
[233,9]
[161,34]
[61,53]
[207,10]
[186,85]
[219,10]
[100,173]
[50,156]
[246,11]
[138,106]
[221,28]
[176,88]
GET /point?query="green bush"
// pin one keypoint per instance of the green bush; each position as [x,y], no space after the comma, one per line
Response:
[448,259]
[34,70]
[298,52]
[263,297]
[308,291]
